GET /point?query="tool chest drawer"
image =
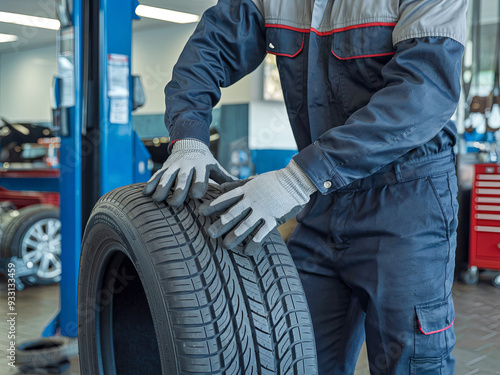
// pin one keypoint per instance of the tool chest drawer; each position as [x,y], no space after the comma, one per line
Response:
[485,218]
[488,245]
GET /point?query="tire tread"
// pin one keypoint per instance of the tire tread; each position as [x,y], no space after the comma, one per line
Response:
[230,313]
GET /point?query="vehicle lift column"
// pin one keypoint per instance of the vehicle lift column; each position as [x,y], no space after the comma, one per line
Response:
[99,149]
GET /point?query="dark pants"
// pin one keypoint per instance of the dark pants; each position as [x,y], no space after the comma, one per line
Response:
[377,260]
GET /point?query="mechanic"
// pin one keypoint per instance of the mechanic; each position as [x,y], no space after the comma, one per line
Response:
[370,87]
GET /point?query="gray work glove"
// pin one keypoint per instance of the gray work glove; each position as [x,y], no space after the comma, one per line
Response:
[260,205]
[190,165]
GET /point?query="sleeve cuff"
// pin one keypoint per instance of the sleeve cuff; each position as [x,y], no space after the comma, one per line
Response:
[190,129]
[319,170]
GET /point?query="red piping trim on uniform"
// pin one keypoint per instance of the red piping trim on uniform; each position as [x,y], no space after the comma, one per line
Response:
[362,56]
[275,26]
[430,333]
[323,33]
[360,26]
[286,55]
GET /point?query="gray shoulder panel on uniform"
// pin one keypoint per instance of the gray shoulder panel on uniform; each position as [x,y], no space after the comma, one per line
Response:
[431,18]
[339,14]
[293,13]
[413,18]
[260,6]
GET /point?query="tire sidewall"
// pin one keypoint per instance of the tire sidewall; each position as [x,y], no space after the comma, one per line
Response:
[60,349]
[12,241]
[109,225]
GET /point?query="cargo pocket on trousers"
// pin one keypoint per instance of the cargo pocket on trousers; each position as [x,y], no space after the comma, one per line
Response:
[434,338]
[425,366]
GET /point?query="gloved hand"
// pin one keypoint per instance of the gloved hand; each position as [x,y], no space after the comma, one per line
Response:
[191,164]
[267,200]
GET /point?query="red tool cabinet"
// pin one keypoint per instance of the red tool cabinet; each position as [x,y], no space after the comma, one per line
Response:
[484,250]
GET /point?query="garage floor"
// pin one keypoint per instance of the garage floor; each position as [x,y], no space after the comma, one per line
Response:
[477,326]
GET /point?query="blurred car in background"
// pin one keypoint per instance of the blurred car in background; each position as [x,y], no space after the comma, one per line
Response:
[30,229]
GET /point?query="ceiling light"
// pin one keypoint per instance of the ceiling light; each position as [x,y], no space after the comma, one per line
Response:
[22,19]
[165,14]
[5,38]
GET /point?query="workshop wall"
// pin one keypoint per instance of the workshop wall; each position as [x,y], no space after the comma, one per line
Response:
[154,54]
[26,76]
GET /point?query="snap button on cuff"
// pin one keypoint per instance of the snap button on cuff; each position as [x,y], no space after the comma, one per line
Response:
[327,184]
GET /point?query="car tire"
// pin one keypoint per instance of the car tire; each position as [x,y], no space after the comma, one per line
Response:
[45,352]
[157,295]
[28,227]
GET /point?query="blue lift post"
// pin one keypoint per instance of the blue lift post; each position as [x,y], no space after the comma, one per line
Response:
[120,150]
[70,197]
[117,142]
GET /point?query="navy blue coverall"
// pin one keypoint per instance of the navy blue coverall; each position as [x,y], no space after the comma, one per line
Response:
[370,87]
